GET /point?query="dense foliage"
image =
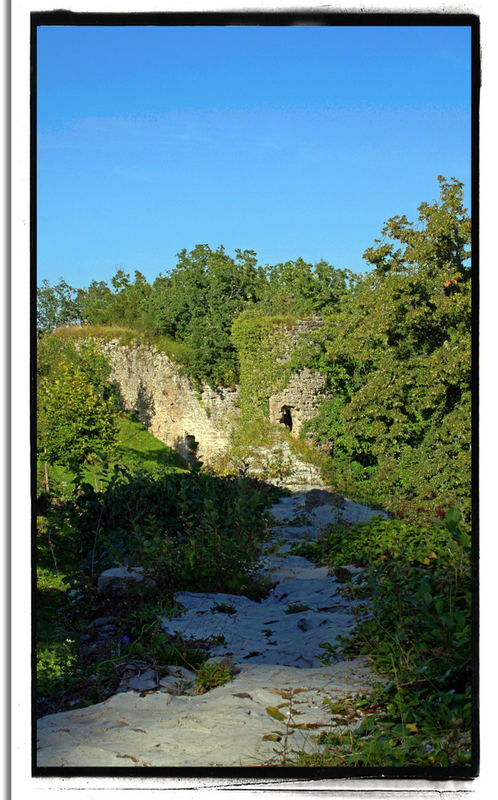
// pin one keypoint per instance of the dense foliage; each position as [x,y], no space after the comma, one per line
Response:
[185,530]
[188,529]
[77,406]
[395,346]
[56,306]
[397,352]
[417,577]
[189,311]
[300,288]
[261,343]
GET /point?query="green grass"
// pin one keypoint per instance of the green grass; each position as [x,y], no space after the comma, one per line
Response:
[136,447]
[177,351]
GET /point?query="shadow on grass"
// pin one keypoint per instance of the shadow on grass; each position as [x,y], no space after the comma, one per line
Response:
[162,458]
[187,530]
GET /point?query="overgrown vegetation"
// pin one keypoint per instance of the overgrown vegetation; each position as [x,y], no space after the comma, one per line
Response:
[394,345]
[416,592]
[188,312]
[125,500]
[262,343]
[185,530]
[398,359]
[392,431]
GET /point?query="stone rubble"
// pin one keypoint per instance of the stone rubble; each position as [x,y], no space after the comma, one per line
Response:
[281,466]
[274,648]
[113,581]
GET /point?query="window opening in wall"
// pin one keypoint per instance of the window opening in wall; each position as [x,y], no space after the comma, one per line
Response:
[286,417]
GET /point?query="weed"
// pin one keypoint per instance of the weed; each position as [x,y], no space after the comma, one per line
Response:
[284,754]
[209,676]
[419,637]
[223,608]
[298,520]
[296,608]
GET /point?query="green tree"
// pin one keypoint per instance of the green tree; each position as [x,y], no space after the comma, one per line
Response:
[397,353]
[56,306]
[197,303]
[128,300]
[298,287]
[96,304]
[78,424]
[77,406]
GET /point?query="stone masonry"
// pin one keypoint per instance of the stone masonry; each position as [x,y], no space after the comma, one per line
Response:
[299,400]
[196,424]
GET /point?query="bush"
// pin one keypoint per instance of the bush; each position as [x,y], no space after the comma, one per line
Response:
[397,354]
[418,585]
[191,530]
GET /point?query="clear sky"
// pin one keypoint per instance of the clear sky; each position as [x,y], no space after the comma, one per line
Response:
[293,141]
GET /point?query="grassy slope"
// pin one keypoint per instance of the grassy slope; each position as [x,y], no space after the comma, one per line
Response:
[136,447]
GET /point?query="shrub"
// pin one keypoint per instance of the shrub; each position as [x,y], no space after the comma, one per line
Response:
[418,586]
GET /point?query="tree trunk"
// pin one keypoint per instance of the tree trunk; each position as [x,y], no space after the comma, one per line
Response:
[47,485]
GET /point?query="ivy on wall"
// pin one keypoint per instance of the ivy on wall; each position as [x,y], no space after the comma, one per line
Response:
[267,347]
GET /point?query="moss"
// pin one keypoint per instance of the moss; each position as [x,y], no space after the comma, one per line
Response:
[263,345]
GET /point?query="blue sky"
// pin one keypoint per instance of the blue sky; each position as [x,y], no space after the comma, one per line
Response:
[293,141]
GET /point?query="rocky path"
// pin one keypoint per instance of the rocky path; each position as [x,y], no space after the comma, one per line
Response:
[272,648]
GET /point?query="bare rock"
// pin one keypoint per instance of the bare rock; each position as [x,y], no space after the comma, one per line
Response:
[117,579]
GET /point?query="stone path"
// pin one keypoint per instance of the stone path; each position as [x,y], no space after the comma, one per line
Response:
[273,646]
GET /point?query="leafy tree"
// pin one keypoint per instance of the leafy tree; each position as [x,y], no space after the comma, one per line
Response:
[297,287]
[77,406]
[438,246]
[129,299]
[122,303]
[56,306]
[96,304]
[397,353]
[197,302]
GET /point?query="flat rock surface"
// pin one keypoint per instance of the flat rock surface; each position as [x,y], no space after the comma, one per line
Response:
[275,645]
[224,727]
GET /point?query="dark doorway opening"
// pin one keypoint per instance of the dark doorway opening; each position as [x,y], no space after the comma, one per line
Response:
[192,445]
[286,417]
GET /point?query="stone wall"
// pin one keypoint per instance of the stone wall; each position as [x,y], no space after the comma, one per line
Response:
[303,392]
[166,402]
[198,424]
[294,335]
[299,400]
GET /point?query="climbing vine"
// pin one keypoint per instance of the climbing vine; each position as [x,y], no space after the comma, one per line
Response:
[268,349]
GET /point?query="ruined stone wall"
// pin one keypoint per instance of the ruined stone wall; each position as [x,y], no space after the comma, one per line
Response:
[280,465]
[293,335]
[167,403]
[199,423]
[304,390]
[298,401]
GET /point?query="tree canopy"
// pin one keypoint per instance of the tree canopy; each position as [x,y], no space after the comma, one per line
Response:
[397,353]
[77,406]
